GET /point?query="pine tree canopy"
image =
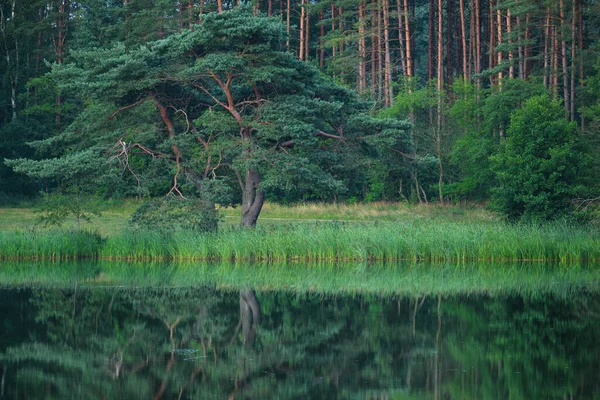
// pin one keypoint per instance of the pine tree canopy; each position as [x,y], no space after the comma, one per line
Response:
[219,103]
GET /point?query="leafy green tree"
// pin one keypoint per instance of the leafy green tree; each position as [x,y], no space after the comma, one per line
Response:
[221,102]
[483,116]
[539,166]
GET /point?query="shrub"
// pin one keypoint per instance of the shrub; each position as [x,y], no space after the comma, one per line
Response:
[56,208]
[174,213]
[540,165]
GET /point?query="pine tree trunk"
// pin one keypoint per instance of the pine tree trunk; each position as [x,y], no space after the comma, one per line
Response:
[440,86]
[580,45]
[492,54]
[573,57]
[463,39]
[220,6]
[362,79]
[252,199]
[341,28]
[478,40]
[511,67]
[380,78]
[527,61]
[288,26]
[521,71]
[430,40]
[449,41]
[322,41]
[547,49]
[14,74]
[307,31]
[409,59]
[401,38]
[38,55]
[59,55]
[555,60]
[471,58]
[563,50]
[499,38]
[302,12]
[389,95]
[373,48]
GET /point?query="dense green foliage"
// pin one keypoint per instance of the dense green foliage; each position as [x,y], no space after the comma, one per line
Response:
[540,165]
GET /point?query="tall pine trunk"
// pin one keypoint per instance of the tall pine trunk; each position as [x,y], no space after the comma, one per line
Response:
[463,39]
[302,31]
[547,49]
[409,59]
[306,31]
[563,51]
[499,42]
[573,57]
[388,61]
[478,40]
[401,38]
[430,40]
[362,69]
[321,41]
[449,41]
[253,198]
[511,67]
[440,87]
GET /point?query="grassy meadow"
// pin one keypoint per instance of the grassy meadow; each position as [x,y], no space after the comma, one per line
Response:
[312,232]
[115,215]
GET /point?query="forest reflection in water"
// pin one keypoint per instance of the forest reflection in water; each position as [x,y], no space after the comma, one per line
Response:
[82,341]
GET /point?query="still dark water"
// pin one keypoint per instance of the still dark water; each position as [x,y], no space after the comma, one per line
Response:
[202,343]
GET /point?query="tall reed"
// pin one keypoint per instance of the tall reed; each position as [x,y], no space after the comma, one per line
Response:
[385,241]
[54,244]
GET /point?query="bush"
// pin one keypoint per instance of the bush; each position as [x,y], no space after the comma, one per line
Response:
[56,208]
[540,166]
[174,213]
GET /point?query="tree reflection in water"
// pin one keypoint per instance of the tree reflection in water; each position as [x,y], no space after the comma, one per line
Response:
[198,342]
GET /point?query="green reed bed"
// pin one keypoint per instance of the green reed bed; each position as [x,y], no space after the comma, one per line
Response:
[399,278]
[55,244]
[418,241]
[414,240]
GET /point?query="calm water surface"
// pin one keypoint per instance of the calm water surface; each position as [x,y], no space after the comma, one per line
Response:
[82,341]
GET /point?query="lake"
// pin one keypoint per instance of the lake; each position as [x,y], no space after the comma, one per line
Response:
[93,330]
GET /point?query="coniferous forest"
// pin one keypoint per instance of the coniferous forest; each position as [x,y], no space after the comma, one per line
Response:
[425,101]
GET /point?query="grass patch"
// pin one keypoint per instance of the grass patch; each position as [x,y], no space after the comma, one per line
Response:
[415,240]
[380,211]
[116,214]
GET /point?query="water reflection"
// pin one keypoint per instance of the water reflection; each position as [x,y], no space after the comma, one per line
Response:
[199,342]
